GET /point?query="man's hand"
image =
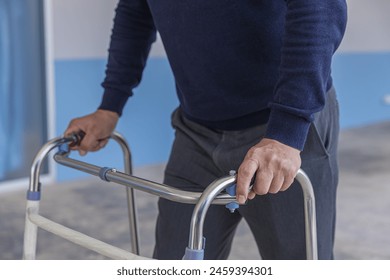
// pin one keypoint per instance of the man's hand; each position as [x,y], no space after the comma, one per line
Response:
[97,127]
[275,166]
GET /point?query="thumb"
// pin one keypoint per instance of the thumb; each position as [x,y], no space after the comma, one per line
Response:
[245,174]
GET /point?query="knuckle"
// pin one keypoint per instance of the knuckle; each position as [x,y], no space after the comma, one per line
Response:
[274,188]
[289,182]
[272,157]
[261,192]
[74,122]
[273,191]
[253,152]
[244,170]
[291,174]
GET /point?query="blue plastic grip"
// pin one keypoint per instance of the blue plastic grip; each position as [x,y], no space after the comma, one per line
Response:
[103,173]
[191,254]
[33,196]
[63,148]
[232,206]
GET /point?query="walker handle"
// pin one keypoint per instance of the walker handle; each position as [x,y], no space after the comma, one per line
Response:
[76,137]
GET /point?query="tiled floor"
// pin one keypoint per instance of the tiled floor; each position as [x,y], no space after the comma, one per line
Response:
[99,209]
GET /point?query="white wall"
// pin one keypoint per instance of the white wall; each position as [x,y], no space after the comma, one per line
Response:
[82,29]
[368,26]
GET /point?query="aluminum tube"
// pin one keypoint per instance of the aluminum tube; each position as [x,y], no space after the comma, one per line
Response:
[200,210]
[310,215]
[131,204]
[30,231]
[144,185]
[62,158]
[82,239]
[35,170]
[56,142]
[162,190]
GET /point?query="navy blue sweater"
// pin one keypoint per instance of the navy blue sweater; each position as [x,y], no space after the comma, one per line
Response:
[236,63]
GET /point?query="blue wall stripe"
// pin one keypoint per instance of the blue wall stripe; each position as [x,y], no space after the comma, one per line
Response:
[145,122]
[361,80]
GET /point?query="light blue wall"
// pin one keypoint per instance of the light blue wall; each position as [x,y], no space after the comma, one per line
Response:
[361,79]
[145,122]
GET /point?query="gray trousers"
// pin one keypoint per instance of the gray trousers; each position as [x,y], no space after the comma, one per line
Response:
[200,155]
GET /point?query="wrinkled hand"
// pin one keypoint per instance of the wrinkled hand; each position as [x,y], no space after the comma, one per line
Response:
[97,127]
[275,166]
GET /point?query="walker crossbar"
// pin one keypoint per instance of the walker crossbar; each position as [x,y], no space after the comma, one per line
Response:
[211,195]
[82,239]
[161,190]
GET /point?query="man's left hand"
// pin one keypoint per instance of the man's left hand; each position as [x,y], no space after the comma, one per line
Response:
[274,166]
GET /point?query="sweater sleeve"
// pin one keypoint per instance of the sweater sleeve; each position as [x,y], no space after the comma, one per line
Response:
[313,31]
[132,36]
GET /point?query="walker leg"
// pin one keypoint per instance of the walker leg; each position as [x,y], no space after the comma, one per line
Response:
[132,210]
[30,231]
[131,206]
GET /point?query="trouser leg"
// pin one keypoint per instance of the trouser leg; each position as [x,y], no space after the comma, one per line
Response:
[172,230]
[191,169]
[199,156]
[278,220]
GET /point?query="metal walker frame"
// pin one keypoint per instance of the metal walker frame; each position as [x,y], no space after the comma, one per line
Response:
[211,195]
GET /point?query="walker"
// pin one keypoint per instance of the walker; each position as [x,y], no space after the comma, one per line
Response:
[211,195]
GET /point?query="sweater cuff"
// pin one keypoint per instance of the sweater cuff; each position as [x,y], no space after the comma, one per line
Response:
[288,129]
[114,101]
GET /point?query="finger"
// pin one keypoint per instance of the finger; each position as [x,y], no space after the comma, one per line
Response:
[245,174]
[71,131]
[262,182]
[95,147]
[89,143]
[276,184]
[72,128]
[77,137]
[97,144]
[251,195]
[287,183]
[103,143]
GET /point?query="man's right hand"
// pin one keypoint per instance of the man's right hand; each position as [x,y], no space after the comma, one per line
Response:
[97,127]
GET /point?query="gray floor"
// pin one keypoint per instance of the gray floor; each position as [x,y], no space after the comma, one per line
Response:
[99,209]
